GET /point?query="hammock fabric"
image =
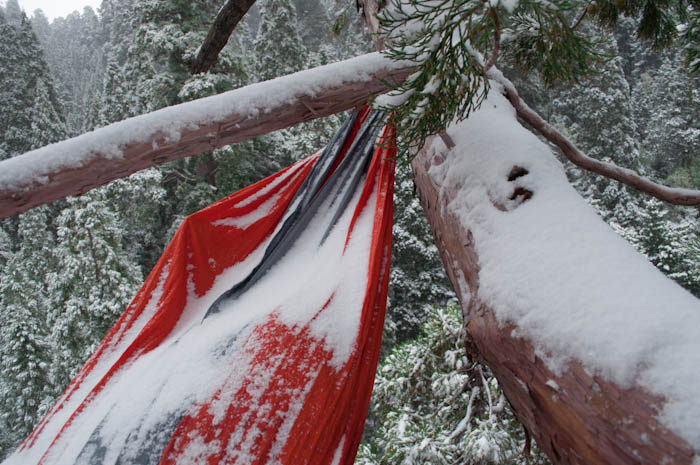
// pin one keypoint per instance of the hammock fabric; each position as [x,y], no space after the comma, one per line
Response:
[255,338]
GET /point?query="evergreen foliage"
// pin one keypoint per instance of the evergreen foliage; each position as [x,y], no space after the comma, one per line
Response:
[667,106]
[435,406]
[278,44]
[30,112]
[94,283]
[73,50]
[417,280]
[667,240]
[454,42]
[26,390]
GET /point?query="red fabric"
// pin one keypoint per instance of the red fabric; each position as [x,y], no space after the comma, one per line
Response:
[328,425]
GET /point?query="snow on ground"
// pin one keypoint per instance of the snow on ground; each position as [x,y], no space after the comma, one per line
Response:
[34,167]
[565,279]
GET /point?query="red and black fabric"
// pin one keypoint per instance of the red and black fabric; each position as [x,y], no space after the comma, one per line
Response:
[255,338]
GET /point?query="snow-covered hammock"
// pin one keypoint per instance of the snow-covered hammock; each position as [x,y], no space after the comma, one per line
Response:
[256,336]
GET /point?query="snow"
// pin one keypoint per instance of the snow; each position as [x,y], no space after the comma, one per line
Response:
[37,167]
[551,267]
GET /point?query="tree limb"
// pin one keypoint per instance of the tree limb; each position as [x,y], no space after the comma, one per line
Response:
[676,196]
[225,22]
[319,92]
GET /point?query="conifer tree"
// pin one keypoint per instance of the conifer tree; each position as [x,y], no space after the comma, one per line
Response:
[95,282]
[30,112]
[73,51]
[314,23]
[667,105]
[5,251]
[597,115]
[13,12]
[668,243]
[417,279]
[25,387]
[278,46]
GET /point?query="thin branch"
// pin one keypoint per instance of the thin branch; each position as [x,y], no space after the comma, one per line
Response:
[465,424]
[675,196]
[182,177]
[225,22]
[580,17]
[496,39]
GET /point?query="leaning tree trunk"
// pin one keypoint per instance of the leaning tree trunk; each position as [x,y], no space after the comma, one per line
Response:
[575,417]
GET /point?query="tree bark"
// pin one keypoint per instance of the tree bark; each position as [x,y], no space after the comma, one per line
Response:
[575,418]
[315,101]
[225,22]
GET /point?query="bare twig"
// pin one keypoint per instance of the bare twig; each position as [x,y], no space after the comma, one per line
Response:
[465,424]
[676,196]
[580,17]
[496,39]
[181,176]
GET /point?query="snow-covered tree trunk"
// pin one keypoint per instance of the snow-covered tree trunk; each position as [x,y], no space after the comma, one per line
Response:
[593,347]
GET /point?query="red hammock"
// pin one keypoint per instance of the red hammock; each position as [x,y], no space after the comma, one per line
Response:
[255,338]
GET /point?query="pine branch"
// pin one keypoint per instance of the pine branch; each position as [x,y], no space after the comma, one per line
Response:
[675,196]
[225,22]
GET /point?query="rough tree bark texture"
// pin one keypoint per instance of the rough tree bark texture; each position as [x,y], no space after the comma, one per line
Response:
[225,22]
[578,419]
[228,130]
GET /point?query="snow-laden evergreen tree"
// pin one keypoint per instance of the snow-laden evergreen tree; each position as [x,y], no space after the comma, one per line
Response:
[94,282]
[667,108]
[5,251]
[138,201]
[314,23]
[667,240]
[30,112]
[73,50]
[278,46]
[26,389]
[417,280]
[436,407]
[279,50]
[597,116]
[13,12]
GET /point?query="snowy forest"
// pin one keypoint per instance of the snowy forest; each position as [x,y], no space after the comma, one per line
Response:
[69,269]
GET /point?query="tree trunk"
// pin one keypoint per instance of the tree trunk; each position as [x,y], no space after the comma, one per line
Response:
[575,417]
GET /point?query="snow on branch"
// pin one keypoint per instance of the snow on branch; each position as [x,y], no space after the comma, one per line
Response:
[676,196]
[77,165]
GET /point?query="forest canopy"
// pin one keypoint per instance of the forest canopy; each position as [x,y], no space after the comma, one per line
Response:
[620,80]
